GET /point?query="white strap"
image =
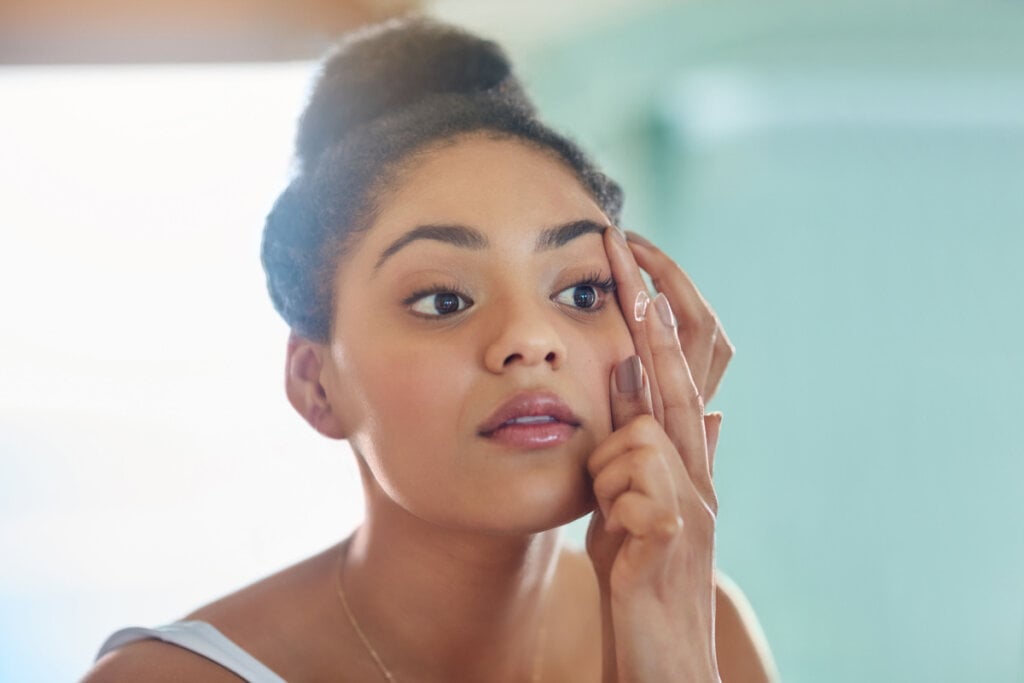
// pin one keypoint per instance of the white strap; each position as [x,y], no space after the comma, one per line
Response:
[203,639]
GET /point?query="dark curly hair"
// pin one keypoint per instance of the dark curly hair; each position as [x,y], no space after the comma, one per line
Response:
[384,94]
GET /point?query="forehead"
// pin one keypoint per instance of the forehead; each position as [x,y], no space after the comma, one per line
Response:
[494,185]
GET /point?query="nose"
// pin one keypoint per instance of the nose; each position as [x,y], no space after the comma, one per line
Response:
[524,334]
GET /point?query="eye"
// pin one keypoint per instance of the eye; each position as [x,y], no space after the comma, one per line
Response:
[579,296]
[438,304]
[589,294]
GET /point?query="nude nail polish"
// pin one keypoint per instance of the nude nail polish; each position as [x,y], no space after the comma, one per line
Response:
[619,236]
[629,377]
[638,239]
[665,311]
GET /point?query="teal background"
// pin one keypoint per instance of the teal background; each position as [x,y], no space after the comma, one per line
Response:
[842,179]
[845,182]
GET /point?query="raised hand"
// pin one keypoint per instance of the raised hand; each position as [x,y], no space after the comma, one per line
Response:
[704,341]
[651,539]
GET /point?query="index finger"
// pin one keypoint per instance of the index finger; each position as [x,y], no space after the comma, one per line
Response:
[672,383]
[707,347]
[633,300]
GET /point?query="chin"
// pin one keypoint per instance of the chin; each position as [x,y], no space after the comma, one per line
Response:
[541,508]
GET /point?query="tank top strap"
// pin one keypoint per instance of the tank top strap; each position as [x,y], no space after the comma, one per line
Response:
[203,639]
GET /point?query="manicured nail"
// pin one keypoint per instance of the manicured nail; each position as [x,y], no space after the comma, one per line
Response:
[629,377]
[633,237]
[640,306]
[665,311]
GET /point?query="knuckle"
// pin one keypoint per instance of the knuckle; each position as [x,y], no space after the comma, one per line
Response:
[725,346]
[707,322]
[604,487]
[701,517]
[667,525]
[690,401]
[646,460]
[645,427]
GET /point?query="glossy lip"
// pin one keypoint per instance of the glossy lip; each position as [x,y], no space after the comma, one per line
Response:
[530,404]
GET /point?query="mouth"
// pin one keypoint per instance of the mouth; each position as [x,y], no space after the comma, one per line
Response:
[534,419]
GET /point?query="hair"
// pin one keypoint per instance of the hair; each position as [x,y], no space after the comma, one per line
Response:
[384,94]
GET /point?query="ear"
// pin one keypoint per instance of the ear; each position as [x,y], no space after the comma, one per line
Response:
[303,372]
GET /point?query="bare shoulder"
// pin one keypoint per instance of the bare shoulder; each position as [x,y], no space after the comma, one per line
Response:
[743,652]
[274,619]
[157,662]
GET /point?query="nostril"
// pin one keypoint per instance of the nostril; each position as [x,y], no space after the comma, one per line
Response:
[550,357]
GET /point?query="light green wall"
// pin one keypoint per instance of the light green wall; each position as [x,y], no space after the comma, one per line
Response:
[845,181]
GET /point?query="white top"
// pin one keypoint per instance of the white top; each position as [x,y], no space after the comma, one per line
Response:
[203,639]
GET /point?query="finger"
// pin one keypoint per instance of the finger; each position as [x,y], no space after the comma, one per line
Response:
[634,301]
[642,433]
[683,406]
[723,353]
[642,517]
[643,470]
[698,324]
[630,392]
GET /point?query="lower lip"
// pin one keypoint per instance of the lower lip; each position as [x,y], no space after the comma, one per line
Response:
[529,436]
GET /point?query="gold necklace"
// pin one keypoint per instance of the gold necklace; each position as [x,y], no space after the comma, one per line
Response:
[534,678]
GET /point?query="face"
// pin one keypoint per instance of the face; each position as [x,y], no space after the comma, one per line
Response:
[482,285]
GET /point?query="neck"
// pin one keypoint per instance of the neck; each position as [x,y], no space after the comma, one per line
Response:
[439,603]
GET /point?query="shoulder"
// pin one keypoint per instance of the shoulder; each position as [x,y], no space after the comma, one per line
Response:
[275,620]
[742,649]
[157,662]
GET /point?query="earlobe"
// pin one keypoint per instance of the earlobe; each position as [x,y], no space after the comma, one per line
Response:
[303,383]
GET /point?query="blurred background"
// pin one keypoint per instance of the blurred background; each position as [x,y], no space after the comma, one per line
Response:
[844,180]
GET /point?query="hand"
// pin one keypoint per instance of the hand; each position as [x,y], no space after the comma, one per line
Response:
[651,540]
[706,345]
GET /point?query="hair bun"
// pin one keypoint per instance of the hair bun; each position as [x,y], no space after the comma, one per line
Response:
[390,66]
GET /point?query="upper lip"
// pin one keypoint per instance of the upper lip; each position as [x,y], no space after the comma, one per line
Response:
[529,403]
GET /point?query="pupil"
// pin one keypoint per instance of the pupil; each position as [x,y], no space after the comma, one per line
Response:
[584,297]
[446,303]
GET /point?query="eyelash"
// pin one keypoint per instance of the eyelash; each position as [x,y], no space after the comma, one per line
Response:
[604,285]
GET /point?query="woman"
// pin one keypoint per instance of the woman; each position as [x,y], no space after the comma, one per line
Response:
[455,285]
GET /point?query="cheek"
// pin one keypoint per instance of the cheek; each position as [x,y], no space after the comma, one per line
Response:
[413,391]
[597,355]
[412,396]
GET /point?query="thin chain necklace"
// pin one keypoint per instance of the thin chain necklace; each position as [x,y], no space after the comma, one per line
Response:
[534,678]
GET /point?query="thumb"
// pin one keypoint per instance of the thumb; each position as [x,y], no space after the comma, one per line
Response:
[630,392]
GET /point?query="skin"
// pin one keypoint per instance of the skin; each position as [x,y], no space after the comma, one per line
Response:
[459,564]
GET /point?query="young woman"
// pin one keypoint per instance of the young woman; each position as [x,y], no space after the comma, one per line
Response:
[465,312]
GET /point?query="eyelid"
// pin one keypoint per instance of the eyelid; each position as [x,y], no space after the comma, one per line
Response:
[434,290]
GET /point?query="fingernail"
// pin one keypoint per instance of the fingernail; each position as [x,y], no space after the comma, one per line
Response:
[640,306]
[629,378]
[665,311]
[633,237]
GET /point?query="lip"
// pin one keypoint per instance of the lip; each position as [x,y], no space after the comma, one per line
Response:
[531,404]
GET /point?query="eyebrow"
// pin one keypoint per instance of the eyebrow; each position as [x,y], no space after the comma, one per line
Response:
[466,237]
